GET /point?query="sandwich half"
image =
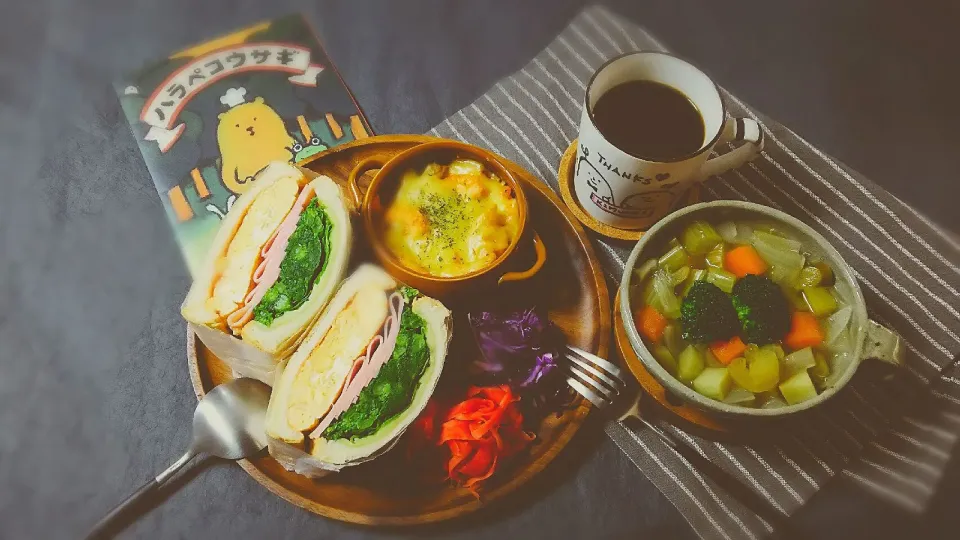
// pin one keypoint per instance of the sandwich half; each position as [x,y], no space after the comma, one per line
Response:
[364,372]
[275,262]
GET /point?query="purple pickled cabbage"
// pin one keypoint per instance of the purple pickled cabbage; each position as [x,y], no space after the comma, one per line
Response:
[522,349]
[518,348]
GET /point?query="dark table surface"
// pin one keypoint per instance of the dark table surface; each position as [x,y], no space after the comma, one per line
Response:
[94,393]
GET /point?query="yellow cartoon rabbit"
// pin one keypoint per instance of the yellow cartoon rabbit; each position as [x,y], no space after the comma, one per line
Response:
[250,135]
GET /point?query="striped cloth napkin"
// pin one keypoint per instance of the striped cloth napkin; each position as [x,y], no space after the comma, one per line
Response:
[893,438]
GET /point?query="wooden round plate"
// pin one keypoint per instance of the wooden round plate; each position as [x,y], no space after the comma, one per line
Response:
[570,287]
[565,178]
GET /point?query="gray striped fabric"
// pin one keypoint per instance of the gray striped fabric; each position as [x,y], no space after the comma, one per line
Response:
[893,438]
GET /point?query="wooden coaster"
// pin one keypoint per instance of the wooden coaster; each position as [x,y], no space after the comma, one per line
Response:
[673,410]
[565,179]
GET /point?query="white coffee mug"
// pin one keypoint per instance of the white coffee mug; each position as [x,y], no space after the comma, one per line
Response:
[628,192]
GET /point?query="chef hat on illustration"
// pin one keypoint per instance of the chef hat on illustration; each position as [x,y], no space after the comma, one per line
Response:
[233,97]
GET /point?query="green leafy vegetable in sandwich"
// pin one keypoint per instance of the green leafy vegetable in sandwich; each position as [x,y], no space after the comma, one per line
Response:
[306,258]
[409,293]
[392,389]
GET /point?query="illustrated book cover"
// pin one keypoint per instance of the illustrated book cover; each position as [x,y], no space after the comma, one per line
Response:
[209,117]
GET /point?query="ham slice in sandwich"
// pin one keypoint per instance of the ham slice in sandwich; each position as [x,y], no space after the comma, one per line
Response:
[244,300]
[362,374]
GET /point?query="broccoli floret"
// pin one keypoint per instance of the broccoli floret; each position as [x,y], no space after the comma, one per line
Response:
[707,314]
[762,308]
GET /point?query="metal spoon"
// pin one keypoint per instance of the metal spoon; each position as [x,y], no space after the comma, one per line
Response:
[228,423]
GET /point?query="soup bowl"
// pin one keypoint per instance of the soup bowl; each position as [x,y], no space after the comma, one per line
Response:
[372,205]
[869,339]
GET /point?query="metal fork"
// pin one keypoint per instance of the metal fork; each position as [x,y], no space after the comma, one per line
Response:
[601,382]
[598,380]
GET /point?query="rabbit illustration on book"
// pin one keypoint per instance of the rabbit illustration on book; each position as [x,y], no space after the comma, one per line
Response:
[250,135]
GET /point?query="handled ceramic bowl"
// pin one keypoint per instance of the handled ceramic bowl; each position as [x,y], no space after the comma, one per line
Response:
[870,340]
[371,205]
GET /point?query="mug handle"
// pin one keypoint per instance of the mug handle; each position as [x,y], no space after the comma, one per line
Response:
[541,252]
[882,344]
[359,169]
[745,130]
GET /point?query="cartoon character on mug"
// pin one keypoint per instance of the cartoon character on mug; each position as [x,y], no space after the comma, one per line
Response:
[635,205]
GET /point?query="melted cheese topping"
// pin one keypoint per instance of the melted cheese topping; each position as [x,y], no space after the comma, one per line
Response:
[323,374]
[235,269]
[451,220]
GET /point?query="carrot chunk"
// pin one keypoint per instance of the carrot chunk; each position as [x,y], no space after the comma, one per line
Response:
[726,351]
[651,323]
[804,331]
[744,260]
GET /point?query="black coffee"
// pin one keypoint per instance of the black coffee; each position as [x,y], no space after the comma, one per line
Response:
[649,120]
